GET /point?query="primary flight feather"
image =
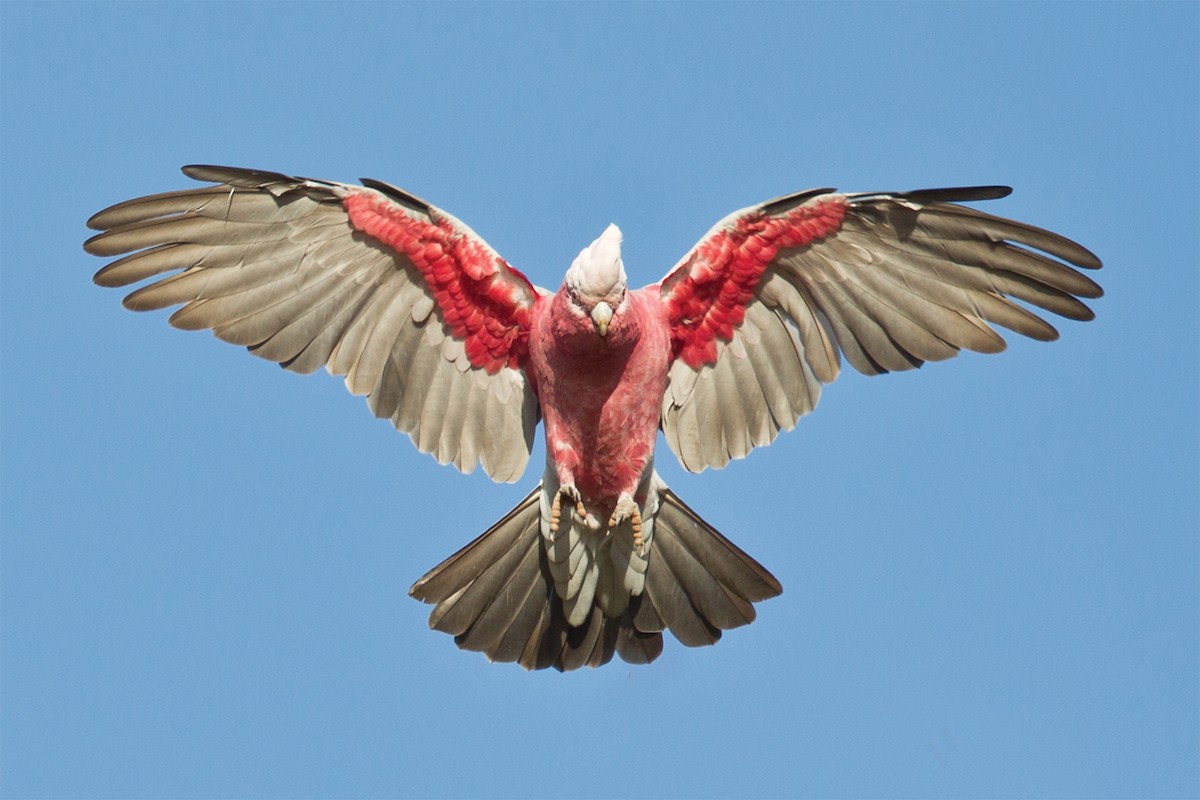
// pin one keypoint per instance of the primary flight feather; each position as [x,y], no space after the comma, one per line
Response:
[465,355]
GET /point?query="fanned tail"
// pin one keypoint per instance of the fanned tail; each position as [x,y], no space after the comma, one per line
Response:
[497,595]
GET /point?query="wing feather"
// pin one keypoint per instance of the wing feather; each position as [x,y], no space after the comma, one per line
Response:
[291,338]
[322,332]
[391,334]
[384,383]
[416,380]
[754,403]
[777,366]
[818,349]
[409,304]
[897,319]
[764,307]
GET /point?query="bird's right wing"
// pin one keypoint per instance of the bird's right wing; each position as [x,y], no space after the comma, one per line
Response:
[762,308]
[416,310]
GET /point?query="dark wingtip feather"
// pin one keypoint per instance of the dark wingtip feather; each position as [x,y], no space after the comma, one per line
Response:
[398,194]
[787,202]
[957,194]
[946,194]
[235,176]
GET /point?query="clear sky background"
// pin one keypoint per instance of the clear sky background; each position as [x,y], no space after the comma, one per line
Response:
[990,564]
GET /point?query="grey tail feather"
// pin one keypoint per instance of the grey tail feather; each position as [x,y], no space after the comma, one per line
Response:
[698,583]
[496,595]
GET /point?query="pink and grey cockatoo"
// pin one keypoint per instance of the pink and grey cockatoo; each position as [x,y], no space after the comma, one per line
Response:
[465,355]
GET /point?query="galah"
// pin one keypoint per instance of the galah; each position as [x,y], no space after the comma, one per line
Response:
[461,352]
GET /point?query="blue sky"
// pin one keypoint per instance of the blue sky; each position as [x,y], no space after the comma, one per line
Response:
[990,565]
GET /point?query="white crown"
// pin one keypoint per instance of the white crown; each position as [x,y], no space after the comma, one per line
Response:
[598,270]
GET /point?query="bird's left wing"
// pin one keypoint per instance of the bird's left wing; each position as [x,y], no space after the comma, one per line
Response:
[761,310]
[416,310]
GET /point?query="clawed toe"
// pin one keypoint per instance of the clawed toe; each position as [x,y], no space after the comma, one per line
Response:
[627,509]
[556,505]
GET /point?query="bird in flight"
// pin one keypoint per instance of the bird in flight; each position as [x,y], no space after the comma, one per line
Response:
[461,352]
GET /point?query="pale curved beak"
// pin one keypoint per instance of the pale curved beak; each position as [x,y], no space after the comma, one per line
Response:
[601,316]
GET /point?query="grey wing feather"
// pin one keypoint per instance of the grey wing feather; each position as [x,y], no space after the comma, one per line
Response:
[907,278]
[272,263]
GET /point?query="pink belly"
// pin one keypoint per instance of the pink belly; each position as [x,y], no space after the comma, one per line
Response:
[614,450]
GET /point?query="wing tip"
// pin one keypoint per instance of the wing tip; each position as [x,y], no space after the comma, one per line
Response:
[234,176]
[944,194]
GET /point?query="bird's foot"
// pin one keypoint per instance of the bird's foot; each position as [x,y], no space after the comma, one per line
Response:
[572,493]
[627,509]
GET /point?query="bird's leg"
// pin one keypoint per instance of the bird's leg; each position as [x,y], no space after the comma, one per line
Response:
[627,509]
[556,506]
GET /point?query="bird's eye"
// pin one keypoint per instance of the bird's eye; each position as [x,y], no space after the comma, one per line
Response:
[576,305]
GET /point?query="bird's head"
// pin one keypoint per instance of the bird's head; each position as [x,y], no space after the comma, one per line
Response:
[596,281]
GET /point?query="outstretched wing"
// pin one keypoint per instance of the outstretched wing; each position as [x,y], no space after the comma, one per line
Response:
[762,308]
[417,311]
